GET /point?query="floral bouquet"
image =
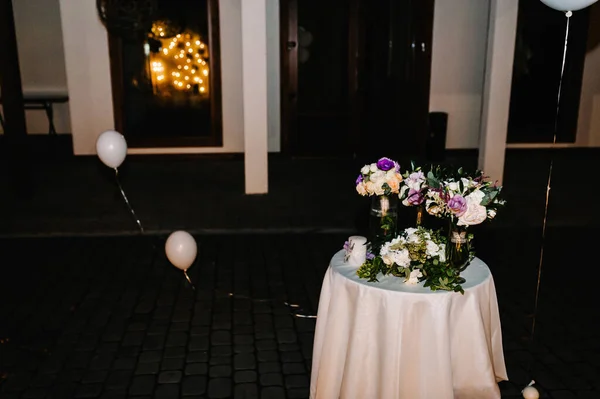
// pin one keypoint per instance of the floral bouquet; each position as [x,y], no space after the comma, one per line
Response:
[464,200]
[380,178]
[416,254]
[414,187]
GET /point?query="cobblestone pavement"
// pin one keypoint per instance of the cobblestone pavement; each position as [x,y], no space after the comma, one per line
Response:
[108,317]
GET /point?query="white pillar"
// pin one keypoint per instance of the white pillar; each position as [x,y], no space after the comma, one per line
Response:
[502,31]
[254,56]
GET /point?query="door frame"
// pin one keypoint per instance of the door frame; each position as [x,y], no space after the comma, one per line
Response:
[215,139]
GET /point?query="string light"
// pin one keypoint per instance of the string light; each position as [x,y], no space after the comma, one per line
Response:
[172,64]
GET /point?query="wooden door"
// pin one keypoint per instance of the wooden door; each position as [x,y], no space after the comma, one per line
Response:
[355,77]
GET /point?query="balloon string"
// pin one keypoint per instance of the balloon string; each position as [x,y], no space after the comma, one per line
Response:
[188,279]
[549,183]
[127,201]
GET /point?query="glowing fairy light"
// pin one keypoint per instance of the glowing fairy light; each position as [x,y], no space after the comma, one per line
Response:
[172,64]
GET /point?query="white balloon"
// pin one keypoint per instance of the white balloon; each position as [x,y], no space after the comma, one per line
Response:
[181,249]
[568,5]
[111,148]
[531,393]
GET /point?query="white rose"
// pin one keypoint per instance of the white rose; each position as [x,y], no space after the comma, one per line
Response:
[432,248]
[377,177]
[453,186]
[401,258]
[365,169]
[475,197]
[390,174]
[475,214]
[414,277]
[373,167]
[410,230]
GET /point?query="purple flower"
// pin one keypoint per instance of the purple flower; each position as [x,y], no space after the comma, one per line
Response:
[458,205]
[370,256]
[415,197]
[359,179]
[396,167]
[385,164]
[347,246]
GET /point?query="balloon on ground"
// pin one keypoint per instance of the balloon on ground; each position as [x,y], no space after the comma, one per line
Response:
[181,249]
[111,148]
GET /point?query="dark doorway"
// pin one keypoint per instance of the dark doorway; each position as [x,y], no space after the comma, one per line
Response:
[539,52]
[167,85]
[355,77]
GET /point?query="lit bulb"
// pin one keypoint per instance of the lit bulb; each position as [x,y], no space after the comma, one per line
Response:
[165,51]
[205,72]
[178,36]
[187,44]
[200,81]
[197,79]
[193,71]
[188,60]
[202,45]
[186,67]
[176,56]
[173,73]
[190,51]
[162,33]
[197,55]
[197,42]
[202,89]
[187,78]
[188,86]
[160,77]
[179,67]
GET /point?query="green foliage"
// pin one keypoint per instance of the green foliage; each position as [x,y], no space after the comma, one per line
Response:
[437,272]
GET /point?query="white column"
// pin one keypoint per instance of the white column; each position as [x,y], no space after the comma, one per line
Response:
[254,56]
[502,31]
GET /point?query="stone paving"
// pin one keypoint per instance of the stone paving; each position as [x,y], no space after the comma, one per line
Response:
[108,317]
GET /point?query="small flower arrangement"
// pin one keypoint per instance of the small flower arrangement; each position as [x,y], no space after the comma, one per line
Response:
[380,178]
[416,254]
[414,187]
[464,200]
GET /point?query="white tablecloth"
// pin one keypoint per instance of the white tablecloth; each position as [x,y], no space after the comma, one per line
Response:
[389,340]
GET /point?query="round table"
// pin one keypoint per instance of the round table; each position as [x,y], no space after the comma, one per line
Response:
[391,340]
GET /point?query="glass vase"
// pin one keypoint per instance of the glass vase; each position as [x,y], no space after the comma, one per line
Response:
[458,250]
[383,219]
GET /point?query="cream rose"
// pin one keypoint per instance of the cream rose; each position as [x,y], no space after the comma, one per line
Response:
[475,214]
[360,187]
[365,169]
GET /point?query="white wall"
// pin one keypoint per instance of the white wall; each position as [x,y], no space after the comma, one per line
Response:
[41,56]
[457,70]
[588,128]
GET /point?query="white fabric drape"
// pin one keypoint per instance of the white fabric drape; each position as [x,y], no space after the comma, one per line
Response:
[390,340]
